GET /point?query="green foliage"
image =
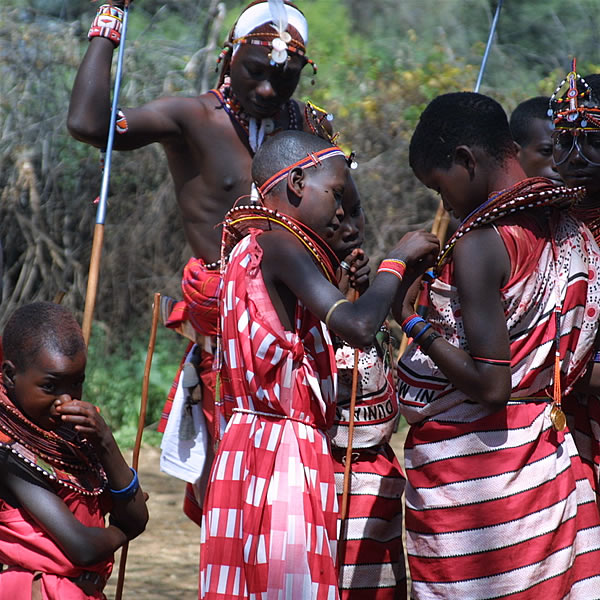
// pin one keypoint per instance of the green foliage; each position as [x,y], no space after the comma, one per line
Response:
[114,381]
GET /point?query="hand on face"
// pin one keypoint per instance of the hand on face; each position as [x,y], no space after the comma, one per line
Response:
[84,417]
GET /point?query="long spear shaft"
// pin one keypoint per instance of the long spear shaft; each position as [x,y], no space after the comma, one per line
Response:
[488,46]
[94,270]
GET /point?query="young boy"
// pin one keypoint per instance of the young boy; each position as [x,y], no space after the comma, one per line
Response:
[576,149]
[271,515]
[371,553]
[61,470]
[497,503]
[531,128]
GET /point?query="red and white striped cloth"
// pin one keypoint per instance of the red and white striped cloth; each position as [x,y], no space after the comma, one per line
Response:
[497,502]
[270,514]
[371,551]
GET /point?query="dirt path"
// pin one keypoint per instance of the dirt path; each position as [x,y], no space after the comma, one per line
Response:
[162,564]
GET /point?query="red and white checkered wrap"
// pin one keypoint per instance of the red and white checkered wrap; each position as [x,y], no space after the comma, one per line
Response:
[270,514]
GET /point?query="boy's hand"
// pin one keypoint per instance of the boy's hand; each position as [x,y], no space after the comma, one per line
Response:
[418,249]
[355,273]
[85,419]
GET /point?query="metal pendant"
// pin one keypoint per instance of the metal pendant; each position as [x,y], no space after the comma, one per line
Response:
[557,416]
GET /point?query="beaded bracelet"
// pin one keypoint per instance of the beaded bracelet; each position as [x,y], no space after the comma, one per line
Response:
[411,323]
[420,334]
[130,490]
[394,266]
[107,24]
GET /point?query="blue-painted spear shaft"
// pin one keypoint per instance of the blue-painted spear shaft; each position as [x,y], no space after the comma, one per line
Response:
[94,270]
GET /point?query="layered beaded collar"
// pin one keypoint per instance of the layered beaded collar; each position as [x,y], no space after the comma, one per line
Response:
[240,219]
[527,194]
[61,455]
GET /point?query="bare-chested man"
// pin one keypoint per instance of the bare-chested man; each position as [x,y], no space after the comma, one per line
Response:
[209,141]
[208,138]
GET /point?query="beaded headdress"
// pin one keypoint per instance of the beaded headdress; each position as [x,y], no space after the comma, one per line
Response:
[574,108]
[273,24]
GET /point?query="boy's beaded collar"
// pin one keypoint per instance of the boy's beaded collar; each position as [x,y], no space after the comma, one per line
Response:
[240,219]
[60,455]
[528,194]
[566,109]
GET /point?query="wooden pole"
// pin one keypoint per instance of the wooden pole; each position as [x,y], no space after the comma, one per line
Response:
[140,429]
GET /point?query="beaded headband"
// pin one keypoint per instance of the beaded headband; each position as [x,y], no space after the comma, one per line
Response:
[566,111]
[313,159]
[280,17]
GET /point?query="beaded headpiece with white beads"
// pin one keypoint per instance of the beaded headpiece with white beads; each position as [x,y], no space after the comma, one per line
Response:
[573,108]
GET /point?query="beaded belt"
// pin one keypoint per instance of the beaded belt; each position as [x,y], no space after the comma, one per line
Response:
[247,411]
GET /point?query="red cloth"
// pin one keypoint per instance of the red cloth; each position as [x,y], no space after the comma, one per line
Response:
[200,298]
[270,514]
[27,548]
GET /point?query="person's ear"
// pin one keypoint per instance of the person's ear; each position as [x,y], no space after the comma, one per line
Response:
[518,147]
[8,374]
[465,158]
[296,181]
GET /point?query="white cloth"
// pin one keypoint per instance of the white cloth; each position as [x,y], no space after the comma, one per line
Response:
[259,14]
[185,459]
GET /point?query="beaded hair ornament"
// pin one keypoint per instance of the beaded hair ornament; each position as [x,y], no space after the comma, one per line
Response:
[313,159]
[567,109]
[274,32]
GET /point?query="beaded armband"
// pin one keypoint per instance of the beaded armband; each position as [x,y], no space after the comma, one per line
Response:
[107,24]
[394,266]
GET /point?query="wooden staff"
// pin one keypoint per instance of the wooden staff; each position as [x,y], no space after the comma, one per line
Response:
[140,429]
[348,461]
[94,270]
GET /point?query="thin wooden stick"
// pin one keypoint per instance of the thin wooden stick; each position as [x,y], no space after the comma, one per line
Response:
[92,285]
[348,463]
[140,429]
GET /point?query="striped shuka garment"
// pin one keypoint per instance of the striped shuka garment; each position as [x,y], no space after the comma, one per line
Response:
[583,410]
[371,552]
[497,503]
[271,515]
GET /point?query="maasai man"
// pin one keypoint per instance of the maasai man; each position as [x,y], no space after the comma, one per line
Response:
[497,502]
[576,148]
[209,141]
[61,470]
[270,520]
[371,553]
[531,128]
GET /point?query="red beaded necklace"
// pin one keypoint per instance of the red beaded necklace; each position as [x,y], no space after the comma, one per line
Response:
[69,462]
[524,195]
[240,219]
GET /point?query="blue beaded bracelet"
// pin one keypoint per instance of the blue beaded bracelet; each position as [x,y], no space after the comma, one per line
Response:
[130,490]
[409,326]
[420,334]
